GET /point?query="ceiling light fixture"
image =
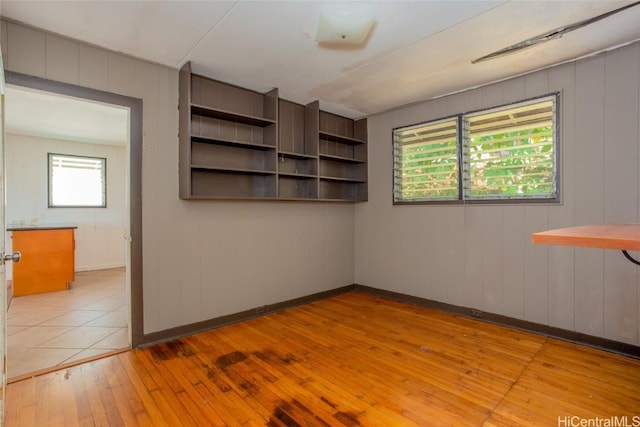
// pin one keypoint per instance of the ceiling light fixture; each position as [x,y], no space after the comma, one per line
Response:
[343,28]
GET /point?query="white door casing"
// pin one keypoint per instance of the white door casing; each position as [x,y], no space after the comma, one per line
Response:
[3,283]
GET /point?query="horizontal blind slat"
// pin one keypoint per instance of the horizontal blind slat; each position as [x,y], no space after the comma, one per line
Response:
[426,161]
[510,152]
[518,140]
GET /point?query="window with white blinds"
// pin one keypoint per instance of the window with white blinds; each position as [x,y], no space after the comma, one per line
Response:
[505,153]
[76,181]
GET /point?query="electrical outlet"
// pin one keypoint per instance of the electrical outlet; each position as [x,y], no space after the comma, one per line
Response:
[261,310]
[476,313]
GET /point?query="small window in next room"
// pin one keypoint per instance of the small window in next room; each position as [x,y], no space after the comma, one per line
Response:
[76,181]
[508,153]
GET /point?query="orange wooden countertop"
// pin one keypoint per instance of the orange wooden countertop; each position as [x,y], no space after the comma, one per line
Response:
[605,236]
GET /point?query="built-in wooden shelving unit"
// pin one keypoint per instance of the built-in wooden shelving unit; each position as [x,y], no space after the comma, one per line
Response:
[240,144]
[343,157]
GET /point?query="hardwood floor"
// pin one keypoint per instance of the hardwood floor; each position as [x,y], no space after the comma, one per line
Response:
[351,360]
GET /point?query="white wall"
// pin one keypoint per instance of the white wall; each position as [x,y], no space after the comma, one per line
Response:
[481,256]
[201,260]
[99,238]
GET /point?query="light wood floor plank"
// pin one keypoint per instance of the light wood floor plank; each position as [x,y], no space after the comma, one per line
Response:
[314,368]
[289,381]
[150,411]
[351,360]
[164,393]
[126,399]
[180,368]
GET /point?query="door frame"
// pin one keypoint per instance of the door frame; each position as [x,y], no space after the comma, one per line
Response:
[136,323]
[3,277]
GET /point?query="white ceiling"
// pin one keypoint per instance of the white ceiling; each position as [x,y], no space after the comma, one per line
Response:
[42,114]
[417,50]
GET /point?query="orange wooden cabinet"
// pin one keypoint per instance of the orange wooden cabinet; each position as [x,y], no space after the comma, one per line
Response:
[47,262]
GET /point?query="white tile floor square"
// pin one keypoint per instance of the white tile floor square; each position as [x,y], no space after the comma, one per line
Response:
[47,330]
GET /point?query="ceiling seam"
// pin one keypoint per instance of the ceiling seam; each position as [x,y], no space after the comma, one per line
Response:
[199,42]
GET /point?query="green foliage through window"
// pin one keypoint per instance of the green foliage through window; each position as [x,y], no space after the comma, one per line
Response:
[506,153]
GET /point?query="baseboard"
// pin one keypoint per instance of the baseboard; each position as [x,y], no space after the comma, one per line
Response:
[98,267]
[194,328]
[511,322]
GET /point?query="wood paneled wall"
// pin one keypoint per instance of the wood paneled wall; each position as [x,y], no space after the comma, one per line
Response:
[482,256]
[241,255]
[201,260]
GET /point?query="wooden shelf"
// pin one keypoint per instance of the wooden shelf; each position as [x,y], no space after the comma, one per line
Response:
[296,155]
[297,187]
[341,179]
[332,190]
[624,237]
[341,200]
[233,170]
[231,143]
[340,138]
[297,175]
[230,185]
[604,236]
[238,144]
[215,113]
[340,158]
[341,166]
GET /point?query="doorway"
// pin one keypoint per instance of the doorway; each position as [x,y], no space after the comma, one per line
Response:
[113,282]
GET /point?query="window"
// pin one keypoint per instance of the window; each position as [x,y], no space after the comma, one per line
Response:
[76,181]
[505,153]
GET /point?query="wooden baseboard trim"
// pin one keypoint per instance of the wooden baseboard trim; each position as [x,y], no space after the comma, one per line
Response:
[511,322]
[194,328]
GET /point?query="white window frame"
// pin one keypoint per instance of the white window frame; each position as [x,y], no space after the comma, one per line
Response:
[98,163]
[466,193]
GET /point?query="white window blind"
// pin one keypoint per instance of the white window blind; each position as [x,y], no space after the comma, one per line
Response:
[76,181]
[426,161]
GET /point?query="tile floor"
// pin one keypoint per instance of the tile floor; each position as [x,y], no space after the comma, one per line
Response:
[47,330]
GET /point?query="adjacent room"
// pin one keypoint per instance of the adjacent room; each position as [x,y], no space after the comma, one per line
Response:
[65,179]
[330,213]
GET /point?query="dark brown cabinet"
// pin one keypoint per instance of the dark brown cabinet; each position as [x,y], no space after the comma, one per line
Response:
[240,144]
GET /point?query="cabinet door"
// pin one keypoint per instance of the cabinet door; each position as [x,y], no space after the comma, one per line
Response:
[47,261]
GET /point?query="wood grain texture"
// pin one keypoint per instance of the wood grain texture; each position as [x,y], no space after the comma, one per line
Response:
[350,360]
[47,263]
[604,236]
